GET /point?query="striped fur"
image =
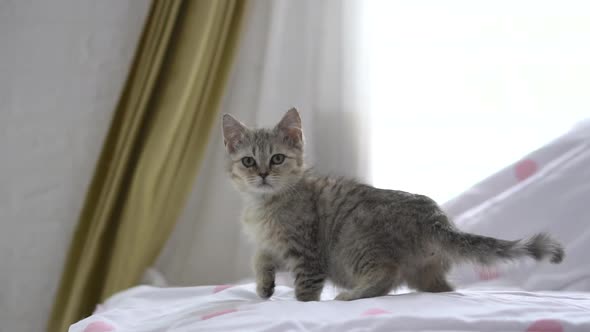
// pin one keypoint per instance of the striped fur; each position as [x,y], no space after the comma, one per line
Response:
[366,240]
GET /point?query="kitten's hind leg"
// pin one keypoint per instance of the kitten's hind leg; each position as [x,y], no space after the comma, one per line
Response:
[376,282]
[430,278]
[437,284]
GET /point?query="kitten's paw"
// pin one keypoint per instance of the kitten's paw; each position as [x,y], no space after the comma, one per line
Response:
[345,296]
[265,291]
[306,297]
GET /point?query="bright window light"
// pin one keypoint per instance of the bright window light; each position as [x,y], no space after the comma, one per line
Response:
[459,89]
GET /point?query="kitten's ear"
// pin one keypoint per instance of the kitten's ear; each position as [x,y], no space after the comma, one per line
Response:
[233,132]
[290,128]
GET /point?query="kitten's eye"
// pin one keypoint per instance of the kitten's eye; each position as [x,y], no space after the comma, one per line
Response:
[277,159]
[248,161]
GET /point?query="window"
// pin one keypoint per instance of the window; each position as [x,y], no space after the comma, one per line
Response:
[459,89]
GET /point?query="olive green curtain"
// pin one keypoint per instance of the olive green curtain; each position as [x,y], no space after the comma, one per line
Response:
[152,151]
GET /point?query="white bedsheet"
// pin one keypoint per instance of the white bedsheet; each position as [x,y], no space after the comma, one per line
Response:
[237,308]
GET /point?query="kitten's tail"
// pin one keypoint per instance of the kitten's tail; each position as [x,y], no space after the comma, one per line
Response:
[487,250]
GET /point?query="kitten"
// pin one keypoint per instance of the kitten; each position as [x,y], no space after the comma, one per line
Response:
[366,240]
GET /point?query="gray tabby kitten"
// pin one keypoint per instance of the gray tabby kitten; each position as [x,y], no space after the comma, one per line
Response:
[363,239]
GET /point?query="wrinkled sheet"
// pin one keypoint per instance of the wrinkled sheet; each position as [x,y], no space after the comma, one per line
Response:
[546,191]
[237,308]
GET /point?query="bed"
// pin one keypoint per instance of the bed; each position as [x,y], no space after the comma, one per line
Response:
[237,308]
[548,190]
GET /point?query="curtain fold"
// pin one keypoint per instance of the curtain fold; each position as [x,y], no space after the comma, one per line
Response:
[152,151]
[300,53]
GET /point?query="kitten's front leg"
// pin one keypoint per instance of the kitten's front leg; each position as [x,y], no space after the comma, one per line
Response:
[265,269]
[309,280]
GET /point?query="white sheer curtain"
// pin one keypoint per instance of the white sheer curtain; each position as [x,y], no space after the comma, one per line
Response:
[293,53]
[463,88]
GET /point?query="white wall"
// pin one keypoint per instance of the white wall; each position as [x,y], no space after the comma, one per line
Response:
[62,65]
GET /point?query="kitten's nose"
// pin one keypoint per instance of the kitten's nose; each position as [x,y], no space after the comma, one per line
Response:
[263,175]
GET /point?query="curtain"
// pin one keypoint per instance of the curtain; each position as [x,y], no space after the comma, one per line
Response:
[293,54]
[156,141]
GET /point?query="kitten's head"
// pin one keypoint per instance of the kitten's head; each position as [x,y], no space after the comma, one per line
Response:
[264,161]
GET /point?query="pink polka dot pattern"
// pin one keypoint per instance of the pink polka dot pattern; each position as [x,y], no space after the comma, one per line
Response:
[99,326]
[488,273]
[219,288]
[218,313]
[375,312]
[525,168]
[545,325]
